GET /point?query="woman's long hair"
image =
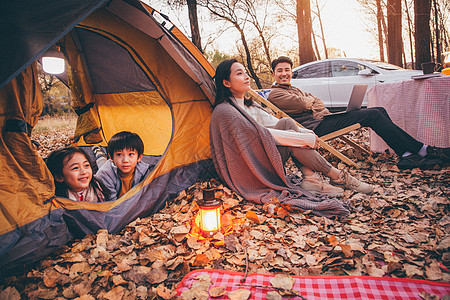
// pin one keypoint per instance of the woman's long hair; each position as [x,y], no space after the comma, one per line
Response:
[55,163]
[223,72]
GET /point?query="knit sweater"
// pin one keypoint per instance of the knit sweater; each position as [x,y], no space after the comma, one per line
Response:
[302,138]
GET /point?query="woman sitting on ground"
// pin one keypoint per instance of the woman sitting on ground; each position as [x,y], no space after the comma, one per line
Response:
[250,158]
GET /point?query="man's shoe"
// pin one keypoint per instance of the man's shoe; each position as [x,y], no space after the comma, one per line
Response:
[350,182]
[438,153]
[416,161]
[316,185]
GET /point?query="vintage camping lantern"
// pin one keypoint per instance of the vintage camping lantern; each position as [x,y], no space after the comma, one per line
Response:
[209,213]
[53,61]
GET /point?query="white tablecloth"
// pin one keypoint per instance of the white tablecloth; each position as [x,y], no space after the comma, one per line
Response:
[420,107]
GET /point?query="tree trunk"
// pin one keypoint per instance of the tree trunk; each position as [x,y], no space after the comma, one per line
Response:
[380,18]
[304,31]
[422,34]
[193,20]
[251,10]
[385,31]
[437,33]
[316,48]
[395,42]
[248,57]
[265,44]
[410,32]
[319,17]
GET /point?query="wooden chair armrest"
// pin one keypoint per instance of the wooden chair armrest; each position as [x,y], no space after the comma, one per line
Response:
[340,132]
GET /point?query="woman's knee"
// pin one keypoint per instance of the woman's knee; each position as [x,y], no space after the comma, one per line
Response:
[311,159]
[286,124]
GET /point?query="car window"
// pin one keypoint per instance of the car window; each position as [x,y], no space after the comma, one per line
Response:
[316,70]
[386,66]
[346,68]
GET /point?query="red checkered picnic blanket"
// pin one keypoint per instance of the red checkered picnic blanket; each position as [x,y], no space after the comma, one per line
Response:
[322,287]
[420,107]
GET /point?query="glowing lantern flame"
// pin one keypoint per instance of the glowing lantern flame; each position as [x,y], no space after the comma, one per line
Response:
[208,218]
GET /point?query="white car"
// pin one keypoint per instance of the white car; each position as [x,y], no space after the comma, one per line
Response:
[332,80]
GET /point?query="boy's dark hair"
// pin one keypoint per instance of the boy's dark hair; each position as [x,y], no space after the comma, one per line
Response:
[281,59]
[125,140]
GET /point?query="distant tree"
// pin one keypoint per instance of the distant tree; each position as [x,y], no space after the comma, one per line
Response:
[259,20]
[316,12]
[55,94]
[380,21]
[439,34]
[215,57]
[193,20]
[422,33]
[260,63]
[289,13]
[410,33]
[444,15]
[229,11]
[304,32]
[394,36]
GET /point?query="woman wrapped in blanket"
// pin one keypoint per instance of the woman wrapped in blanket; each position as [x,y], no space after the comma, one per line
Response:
[249,147]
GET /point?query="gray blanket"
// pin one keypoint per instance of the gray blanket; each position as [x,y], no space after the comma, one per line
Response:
[247,159]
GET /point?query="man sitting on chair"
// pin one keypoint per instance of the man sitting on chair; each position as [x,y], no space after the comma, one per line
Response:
[309,111]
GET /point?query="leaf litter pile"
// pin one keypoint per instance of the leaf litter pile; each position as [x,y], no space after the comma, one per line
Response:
[401,230]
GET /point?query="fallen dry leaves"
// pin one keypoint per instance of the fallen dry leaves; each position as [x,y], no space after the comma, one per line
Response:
[401,230]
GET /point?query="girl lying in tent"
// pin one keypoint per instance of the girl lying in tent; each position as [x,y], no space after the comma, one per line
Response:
[248,159]
[72,171]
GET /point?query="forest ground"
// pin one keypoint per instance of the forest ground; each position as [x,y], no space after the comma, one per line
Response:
[401,230]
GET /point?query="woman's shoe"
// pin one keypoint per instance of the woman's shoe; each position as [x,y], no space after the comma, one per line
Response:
[316,185]
[350,182]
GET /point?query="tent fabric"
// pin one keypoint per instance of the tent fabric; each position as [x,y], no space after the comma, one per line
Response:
[29,28]
[177,48]
[28,226]
[125,72]
[25,181]
[128,77]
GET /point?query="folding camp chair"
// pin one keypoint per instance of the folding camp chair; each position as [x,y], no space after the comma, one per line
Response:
[322,140]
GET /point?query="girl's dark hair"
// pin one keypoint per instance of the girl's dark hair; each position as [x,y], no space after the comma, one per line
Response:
[55,163]
[223,93]
[125,140]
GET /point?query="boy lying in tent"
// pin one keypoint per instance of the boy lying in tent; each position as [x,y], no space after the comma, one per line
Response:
[125,169]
